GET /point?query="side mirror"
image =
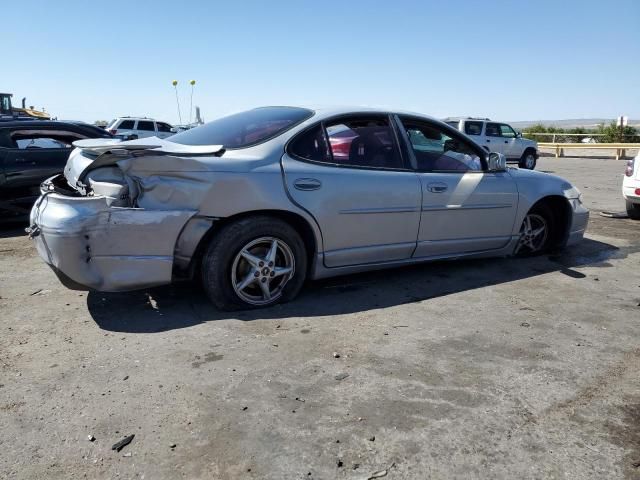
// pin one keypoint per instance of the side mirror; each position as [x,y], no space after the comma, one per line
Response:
[173,130]
[497,162]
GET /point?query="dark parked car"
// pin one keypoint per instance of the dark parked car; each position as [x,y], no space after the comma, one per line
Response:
[32,151]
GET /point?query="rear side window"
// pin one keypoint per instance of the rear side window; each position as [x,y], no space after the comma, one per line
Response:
[363,142]
[126,125]
[311,145]
[47,139]
[473,128]
[245,129]
[146,125]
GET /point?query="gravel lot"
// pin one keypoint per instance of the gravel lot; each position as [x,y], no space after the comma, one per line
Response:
[496,369]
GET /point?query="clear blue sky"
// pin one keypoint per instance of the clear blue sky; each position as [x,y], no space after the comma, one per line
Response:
[510,60]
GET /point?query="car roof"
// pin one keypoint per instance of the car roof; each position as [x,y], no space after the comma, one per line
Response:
[330,111]
[136,118]
[43,123]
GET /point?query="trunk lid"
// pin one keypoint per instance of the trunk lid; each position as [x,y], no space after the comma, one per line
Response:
[93,153]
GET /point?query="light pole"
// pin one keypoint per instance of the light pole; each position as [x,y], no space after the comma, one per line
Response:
[192,82]
[175,85]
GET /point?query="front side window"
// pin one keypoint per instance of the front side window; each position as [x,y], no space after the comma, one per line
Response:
[245,129]
[163,127]
[507,131]
[436,151]
[363,142]
[473,128]
[126,125]
[146,126]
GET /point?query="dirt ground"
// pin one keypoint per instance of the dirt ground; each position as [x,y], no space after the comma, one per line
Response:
[496,369]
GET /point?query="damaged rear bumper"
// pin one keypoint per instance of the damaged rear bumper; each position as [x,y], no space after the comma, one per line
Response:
[91,245]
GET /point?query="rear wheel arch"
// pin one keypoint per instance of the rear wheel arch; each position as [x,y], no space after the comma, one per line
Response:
[297,221]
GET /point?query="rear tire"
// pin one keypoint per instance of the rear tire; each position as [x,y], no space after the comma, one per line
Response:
[528,159]
[537,232]
[633,210]
[234,281]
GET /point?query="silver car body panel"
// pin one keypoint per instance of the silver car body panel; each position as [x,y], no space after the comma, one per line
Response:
[360,219]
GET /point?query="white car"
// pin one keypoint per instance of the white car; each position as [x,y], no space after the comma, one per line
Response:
[631,187]
[500,138]
[141,127]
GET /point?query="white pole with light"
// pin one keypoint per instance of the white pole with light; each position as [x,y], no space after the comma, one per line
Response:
[175,85]
[192,82]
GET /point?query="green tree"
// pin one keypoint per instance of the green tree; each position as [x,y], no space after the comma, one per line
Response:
[613,134]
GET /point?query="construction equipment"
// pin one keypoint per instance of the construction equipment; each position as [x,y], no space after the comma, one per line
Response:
[9,112]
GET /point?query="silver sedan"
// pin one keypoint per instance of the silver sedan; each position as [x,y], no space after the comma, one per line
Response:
[255,203]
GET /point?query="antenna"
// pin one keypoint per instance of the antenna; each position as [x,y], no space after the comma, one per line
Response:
[175,85]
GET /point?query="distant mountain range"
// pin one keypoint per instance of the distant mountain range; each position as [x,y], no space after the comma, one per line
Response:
[571,123]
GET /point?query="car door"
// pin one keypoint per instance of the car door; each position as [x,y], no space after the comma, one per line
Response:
[464,207]
[510,141]
[146,128]
[492,138]
[349,174]
[36,154]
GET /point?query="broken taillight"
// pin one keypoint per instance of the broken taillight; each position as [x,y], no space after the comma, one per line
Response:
[629,170]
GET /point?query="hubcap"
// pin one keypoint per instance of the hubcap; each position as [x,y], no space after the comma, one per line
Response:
[533,234]
[261,269]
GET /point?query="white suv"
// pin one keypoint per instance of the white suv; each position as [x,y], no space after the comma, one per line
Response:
[500,138]
[140,127]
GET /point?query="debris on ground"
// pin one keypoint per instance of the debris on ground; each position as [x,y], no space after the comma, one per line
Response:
[298,399]
[336,355]
[339,463]
[525,324]
[128,454]
[401,326]
[122,443]
[91,438]
[244,408]
[379,474]
[126,377]
[372,438]
[172,445]
[614,214]
[341,376]
[40,292]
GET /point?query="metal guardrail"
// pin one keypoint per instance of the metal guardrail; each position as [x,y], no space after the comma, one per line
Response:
[620,148]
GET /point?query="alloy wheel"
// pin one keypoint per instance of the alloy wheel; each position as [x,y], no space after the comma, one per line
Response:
[261,269]
[533,234]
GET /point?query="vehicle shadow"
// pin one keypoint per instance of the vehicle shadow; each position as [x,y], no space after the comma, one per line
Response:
[12,228]
[185,305]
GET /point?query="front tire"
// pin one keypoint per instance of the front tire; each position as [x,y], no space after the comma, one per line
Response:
[536,232]
[254,262]
[528,159]
[633,210]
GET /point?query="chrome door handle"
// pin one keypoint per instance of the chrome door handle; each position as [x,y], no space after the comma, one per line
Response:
[307,184]
[437,187]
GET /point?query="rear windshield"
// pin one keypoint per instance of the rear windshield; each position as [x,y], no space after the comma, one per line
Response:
[244,129]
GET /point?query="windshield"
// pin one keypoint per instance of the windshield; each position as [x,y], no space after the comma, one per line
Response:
[244,129]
